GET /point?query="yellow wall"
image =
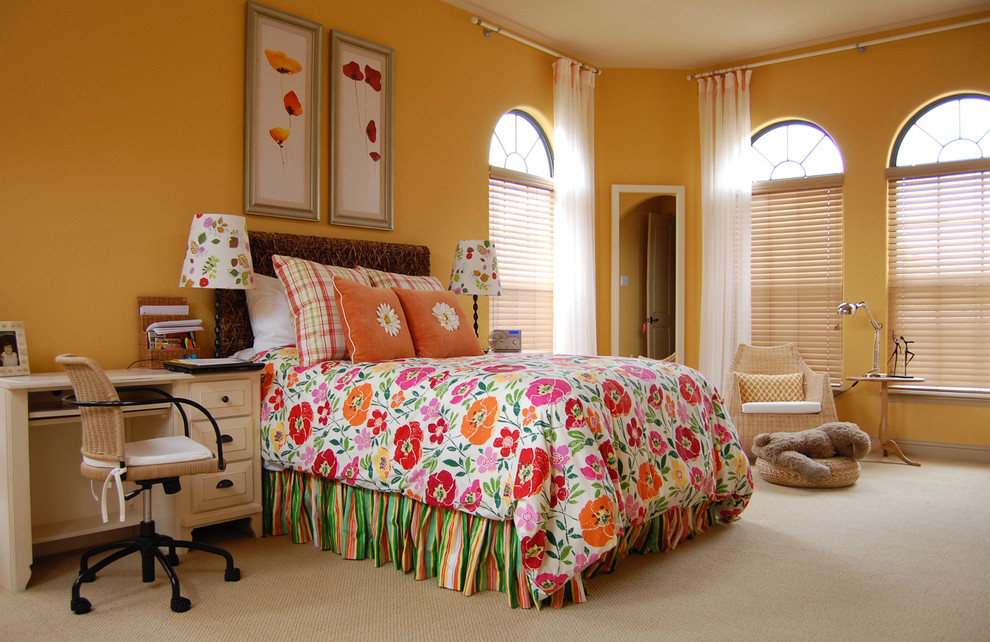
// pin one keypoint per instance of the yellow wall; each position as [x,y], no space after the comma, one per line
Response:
[647,132]
[863,100]
[122,119]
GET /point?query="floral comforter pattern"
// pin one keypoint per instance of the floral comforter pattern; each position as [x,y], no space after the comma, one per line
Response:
[572,449]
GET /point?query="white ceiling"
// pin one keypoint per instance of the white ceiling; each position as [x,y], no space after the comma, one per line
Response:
[696,34]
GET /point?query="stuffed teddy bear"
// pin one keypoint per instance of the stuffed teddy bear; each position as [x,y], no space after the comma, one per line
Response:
[795,450]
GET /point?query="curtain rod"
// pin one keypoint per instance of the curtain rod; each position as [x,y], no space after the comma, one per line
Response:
[488,29]
[859,46]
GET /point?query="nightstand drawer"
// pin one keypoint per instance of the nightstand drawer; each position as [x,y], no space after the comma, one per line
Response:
[224,398]
[237,434]
[231,487]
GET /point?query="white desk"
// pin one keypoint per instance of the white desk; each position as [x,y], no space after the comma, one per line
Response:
[36,428]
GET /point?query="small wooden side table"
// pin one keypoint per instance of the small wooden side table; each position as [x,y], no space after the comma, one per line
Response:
[883,437]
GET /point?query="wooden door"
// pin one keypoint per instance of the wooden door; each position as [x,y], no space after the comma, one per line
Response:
[660,288]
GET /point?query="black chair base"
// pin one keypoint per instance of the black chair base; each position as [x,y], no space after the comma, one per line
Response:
[149,544]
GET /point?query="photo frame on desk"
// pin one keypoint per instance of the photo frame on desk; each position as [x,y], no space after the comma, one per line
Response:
[13,349]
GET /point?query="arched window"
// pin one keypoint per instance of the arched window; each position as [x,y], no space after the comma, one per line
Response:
[520,225]
[938,228]
[797,242]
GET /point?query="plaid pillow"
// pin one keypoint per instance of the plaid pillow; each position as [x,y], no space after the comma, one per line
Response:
[315,314]
[381,279]
[768,388]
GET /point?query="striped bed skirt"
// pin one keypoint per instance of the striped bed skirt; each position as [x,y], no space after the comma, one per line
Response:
[463,552]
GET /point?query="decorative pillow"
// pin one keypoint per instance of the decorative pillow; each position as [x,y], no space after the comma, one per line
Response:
[768,388]
[374,325]
[268,309]
[438,325]
[315,314]
[381,279]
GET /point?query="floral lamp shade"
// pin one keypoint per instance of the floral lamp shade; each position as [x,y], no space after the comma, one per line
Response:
[217,254]
[475,269]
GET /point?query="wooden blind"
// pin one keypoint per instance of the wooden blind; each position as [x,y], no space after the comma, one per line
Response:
[797,268]
[939,270]
[520,224]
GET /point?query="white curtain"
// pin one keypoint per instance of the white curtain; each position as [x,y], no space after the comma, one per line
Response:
[726,192]
[574,304]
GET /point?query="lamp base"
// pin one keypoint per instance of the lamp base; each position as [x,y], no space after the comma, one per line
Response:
[476,315]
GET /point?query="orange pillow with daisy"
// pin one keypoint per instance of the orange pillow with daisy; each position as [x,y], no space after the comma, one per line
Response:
[375,327]
[438,325]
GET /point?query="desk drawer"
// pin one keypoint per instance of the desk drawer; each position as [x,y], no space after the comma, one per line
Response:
[224,398]
[231,487]
[237,434]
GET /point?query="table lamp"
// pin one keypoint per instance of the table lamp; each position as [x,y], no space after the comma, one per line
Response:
[850,308]
[475,271]
[218,256]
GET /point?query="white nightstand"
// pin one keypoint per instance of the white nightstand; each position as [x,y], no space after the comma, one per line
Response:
[233,400]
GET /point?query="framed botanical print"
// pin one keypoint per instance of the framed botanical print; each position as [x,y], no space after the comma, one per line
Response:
[281,119]
[362,78]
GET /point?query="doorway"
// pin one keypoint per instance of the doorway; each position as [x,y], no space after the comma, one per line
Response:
[636,322]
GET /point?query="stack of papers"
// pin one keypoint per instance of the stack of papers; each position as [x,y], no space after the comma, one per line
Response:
[176,327]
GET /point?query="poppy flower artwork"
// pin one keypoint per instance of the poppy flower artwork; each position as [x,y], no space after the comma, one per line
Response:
[361,114]
[284,65]
[282,93]
[292,105]
[372,78]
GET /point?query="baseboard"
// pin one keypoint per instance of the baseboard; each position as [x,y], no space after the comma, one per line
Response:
[941,450]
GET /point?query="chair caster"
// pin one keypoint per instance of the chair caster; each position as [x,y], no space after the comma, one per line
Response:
[232,574]
[80,606]
[180,604]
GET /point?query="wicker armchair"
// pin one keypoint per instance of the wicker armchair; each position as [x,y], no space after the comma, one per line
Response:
[783,359]
[108,458]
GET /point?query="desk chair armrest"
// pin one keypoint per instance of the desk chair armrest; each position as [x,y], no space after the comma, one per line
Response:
[178,402]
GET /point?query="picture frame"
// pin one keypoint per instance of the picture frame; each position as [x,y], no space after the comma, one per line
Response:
[13,349]
[282,102]
[362,82]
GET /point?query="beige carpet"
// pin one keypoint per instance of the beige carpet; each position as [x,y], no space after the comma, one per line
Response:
[901,555]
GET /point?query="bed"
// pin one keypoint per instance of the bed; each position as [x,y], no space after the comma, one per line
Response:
[523,473]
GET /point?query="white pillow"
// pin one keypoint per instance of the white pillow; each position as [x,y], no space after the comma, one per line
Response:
[268,309]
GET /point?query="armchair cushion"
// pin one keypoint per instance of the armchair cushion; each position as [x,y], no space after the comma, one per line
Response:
[783,407]
[763,388]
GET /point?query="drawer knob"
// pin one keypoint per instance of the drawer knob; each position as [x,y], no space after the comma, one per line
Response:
[226,438]
[225,399]
[225,483]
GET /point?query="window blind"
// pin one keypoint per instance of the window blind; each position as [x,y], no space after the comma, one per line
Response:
[797,268]
[520,224]
[939,270]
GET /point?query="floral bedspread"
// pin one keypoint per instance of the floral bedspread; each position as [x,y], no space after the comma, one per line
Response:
[572,449]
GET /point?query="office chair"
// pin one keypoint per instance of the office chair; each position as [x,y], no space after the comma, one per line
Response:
[108,459]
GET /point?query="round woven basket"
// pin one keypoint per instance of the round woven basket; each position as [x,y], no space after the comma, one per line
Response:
[843,471]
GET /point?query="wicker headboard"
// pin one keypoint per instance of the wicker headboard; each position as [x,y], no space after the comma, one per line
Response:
[234,325]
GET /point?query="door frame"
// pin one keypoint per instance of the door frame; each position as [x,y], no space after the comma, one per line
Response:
[649,191]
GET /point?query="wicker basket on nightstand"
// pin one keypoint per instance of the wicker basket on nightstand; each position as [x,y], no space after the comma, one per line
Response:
[843,471]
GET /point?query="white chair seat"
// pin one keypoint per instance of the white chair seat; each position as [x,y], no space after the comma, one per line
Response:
[782,407]
[160,450]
